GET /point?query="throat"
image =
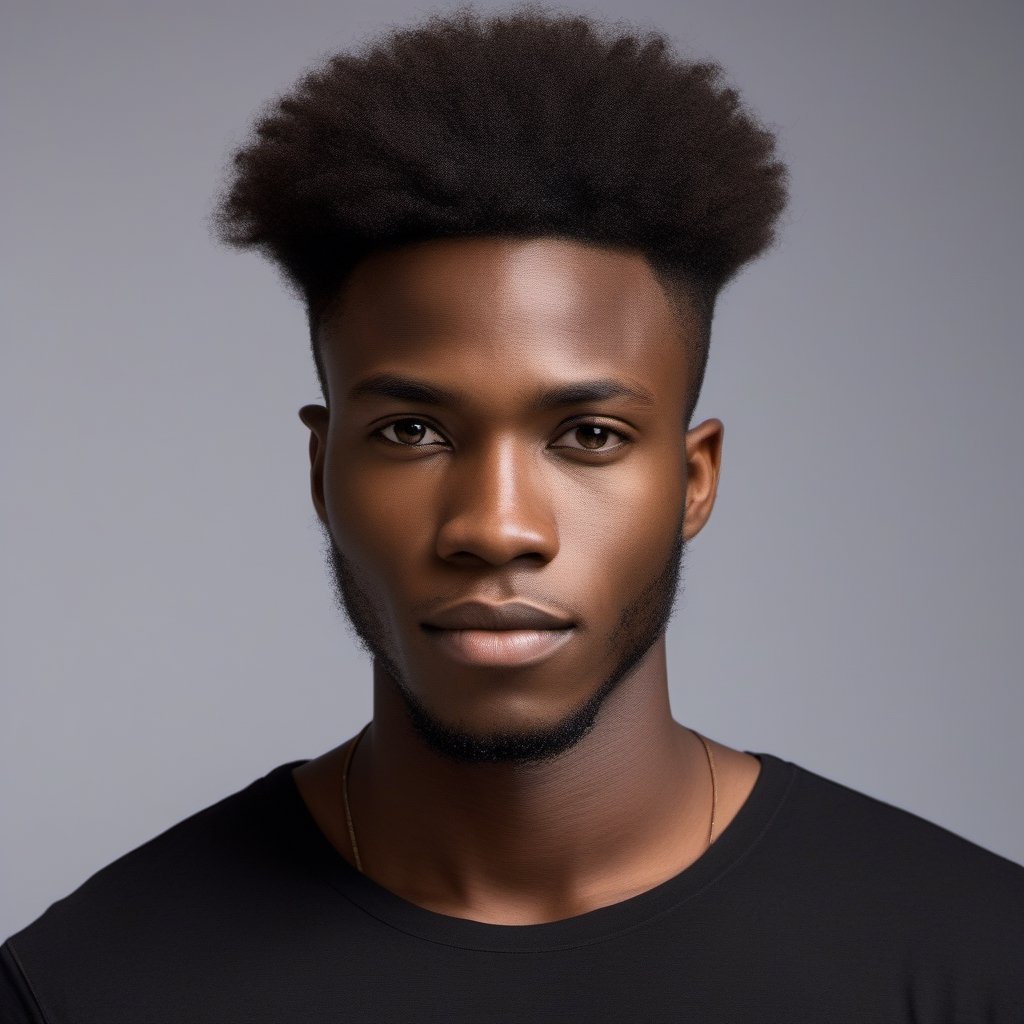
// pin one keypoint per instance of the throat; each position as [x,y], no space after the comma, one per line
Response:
[504,849]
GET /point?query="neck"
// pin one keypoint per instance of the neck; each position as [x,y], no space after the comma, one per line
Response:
[625,808]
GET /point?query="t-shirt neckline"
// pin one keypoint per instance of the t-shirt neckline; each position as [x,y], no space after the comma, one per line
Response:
[736,842]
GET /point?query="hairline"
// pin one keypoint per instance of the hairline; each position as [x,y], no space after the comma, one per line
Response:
[682,289]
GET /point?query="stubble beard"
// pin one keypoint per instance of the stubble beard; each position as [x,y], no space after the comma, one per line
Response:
[640,624]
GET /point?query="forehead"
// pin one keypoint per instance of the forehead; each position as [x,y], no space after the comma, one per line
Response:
[502,317]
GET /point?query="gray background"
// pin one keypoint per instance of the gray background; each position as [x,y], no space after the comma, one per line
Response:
[855,603]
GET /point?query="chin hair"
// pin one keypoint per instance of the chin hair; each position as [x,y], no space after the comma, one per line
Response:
[645,619]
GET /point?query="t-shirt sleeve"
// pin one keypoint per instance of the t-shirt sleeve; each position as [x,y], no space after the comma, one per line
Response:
[17,1003]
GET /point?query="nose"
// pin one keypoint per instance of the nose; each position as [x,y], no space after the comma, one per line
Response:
[498,507]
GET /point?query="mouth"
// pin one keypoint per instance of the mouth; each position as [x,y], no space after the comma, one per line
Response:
[499,648]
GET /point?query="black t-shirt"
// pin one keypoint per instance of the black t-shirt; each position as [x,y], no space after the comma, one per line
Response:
[817,903]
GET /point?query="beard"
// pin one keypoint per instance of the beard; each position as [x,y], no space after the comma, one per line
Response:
[640,624]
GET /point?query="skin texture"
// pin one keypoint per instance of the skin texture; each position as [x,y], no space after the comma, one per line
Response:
[526,794]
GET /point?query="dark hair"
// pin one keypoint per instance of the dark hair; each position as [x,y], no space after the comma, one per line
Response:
[526,123]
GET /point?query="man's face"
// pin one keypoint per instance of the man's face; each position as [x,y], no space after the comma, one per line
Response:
[485,493]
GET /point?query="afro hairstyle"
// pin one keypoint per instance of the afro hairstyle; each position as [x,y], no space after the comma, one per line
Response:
[525,123]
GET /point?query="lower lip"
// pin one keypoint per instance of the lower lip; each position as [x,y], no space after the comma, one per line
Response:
[499,647]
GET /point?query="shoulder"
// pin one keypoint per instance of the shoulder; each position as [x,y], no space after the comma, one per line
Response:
[847,826]
[871,902]
[894,882]
[188,853]
[147,906]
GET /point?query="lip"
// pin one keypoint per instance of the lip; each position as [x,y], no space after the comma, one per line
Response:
[511,615]
[499,648]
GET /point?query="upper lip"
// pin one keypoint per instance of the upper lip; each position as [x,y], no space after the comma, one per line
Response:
[510,615]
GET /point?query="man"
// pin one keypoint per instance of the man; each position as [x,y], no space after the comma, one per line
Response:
[509,234]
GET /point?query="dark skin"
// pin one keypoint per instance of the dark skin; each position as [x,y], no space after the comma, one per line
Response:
[489,497]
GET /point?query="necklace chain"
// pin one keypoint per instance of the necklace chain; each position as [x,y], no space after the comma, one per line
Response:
[355,743]
[344,792]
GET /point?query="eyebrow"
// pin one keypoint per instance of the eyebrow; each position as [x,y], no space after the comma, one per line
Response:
[408,389]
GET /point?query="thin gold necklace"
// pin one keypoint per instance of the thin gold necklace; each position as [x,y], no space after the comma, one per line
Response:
[344,792]
[355,743]
[714,785]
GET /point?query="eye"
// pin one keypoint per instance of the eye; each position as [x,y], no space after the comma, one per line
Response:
[408,432]
[593,437]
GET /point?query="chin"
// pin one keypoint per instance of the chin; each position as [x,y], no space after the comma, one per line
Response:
[503,728]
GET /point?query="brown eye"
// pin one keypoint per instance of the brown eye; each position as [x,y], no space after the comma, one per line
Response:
[593,437]
[409,432]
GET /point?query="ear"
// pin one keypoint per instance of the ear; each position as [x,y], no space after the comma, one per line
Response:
[703,464]
[317,418]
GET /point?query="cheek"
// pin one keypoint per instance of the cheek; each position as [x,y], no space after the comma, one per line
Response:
[376,515]
[616,537]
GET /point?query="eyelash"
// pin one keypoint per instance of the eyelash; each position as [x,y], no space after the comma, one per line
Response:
[624,439]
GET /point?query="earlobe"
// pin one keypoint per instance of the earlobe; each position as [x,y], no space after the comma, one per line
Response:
[703,465]
[316,418]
